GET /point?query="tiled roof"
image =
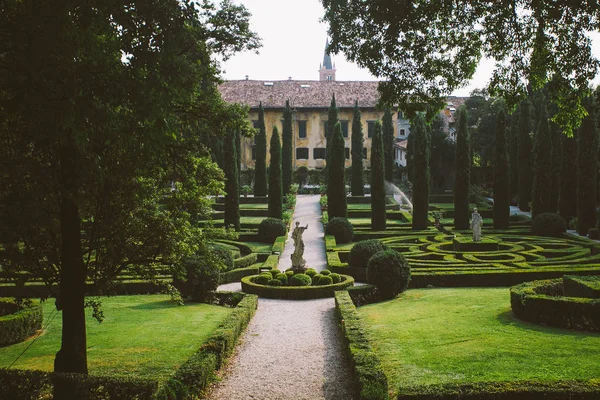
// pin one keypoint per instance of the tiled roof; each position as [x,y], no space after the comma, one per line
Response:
[302,94]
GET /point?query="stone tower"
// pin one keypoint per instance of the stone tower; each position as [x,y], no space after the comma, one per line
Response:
[327,70]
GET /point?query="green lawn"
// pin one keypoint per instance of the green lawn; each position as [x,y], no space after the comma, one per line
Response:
[429,336]
[141,336]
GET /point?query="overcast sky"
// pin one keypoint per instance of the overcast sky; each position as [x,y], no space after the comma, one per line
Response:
[293,41]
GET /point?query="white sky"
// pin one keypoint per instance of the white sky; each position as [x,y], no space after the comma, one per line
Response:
[293,40]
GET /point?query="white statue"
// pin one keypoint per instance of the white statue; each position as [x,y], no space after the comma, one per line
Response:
[476,224]
[297,260]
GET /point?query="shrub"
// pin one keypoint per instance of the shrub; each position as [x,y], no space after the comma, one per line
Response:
[274,272]
[593,233]
[271,228]
[389,271]
[300,280]
[548,224]
[325,280]
[311,272]
[325,272]
[223,253]
[335,278]
[362,252]
[197,277]
[283,278]
[341,228]
[315,278]
[289,273]
[18,322]
[274,282]
[262,279]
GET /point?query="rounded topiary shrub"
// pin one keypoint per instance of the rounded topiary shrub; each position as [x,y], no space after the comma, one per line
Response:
[336,278]
[341,228]
[325,272]
[300,280]
[289,273]
[325,280]
[197,277]
[274,282]
[271,228]
[548,224]
[262,279]
[283,278]
[223,253]
[389,271]
[315,278]
[361,252]
[311,272]
[275,272]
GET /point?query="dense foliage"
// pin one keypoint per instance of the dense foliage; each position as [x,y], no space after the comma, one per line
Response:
[361,252]
[587,156]
[232,183]
[341,228]
[336,187]
[421,164]
[567,197]
[357,185]
[525,160]
[197,277]
[275,185]
[260,164]
[270,229]
[463,173]
[287,150]
[332,120]
[378,216]
[388,144]
[442,157]
[501,182]
[548,224]
[541,195]
[389,271]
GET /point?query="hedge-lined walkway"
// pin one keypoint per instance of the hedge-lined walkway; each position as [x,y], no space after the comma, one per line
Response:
[292,349]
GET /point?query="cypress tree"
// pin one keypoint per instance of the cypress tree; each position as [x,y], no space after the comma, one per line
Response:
[541,201]
[232,189]
[336,189]
[287,150]
[567,198]
[388,144]
[587,145]
[421,173]
[260,164]
[238,153]
[378,216]
[525,159]
[357,185]
[462,178]
[275,186]
[501,179]
[332,119]
[514,155]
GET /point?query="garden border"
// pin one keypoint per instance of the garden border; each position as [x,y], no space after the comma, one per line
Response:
[17,326]
[295,292]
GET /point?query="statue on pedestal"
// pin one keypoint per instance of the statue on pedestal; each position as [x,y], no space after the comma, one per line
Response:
[298,262]
[476,224]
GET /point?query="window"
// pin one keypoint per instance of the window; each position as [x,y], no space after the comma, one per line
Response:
[253,152]
[402,132]
[344,128]
[370,128]
[319,153]
[347,153]
[301,153]
[364,153]
[255,124]
[302,130]
[400,115]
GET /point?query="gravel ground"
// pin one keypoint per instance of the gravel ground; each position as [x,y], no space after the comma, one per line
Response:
[291,349]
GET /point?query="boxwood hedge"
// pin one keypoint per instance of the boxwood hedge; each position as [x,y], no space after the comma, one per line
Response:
[18,322]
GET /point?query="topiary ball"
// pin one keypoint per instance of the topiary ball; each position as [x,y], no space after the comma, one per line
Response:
[223,253]
[271,228]
[325,272]
[389,271]
[336,278]
[361,252]
[283,278]
[548,224]
[300,280]
[325,280]
[274,282]
[311,272]
[341,228]
[262,279]
[315,278]
[274,272]
[289,274]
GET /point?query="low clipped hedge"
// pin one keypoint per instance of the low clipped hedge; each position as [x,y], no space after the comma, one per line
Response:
[295,292]
[366,366]
[245,261]
[279,244]
[582,286]
[548,224]
[543,302]
[17,323]
[236,274]
[525,390]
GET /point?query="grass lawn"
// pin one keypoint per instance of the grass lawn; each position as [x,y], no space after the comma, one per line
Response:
[429,336]
[141,336]
[259,206]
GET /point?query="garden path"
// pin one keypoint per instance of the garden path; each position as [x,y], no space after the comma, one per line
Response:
[291,349]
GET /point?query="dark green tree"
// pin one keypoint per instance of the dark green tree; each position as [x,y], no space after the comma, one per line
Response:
[587,146]
[541,195]
[501,180]
[357,184]
[421,173]
[567,198]
[442,154]
[232,183]
[525,158]
[275,185]
[388,144]
[462,178]
[287,148]
[513,154]
[378,213]
[260,164]
[332,119]
[336,189]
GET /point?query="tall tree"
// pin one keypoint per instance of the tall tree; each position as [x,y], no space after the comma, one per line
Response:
[378,213]
[421,164]
[532,42]
[462,178]
[332,119]
[541,195]
[442,153]
[388,144]
[567,198]
[103,153]
[587,146]
[260,164]
[525,159]
[336,189]
[287,150]
[357,185]
[275,185]
[232,183]
[514,154]
[501,181]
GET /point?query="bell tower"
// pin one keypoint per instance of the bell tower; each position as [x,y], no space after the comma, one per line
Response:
[327,70]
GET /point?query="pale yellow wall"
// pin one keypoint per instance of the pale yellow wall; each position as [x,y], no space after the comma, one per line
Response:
[315,134]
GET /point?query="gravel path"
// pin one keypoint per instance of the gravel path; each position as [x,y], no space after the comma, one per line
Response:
[292,349]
